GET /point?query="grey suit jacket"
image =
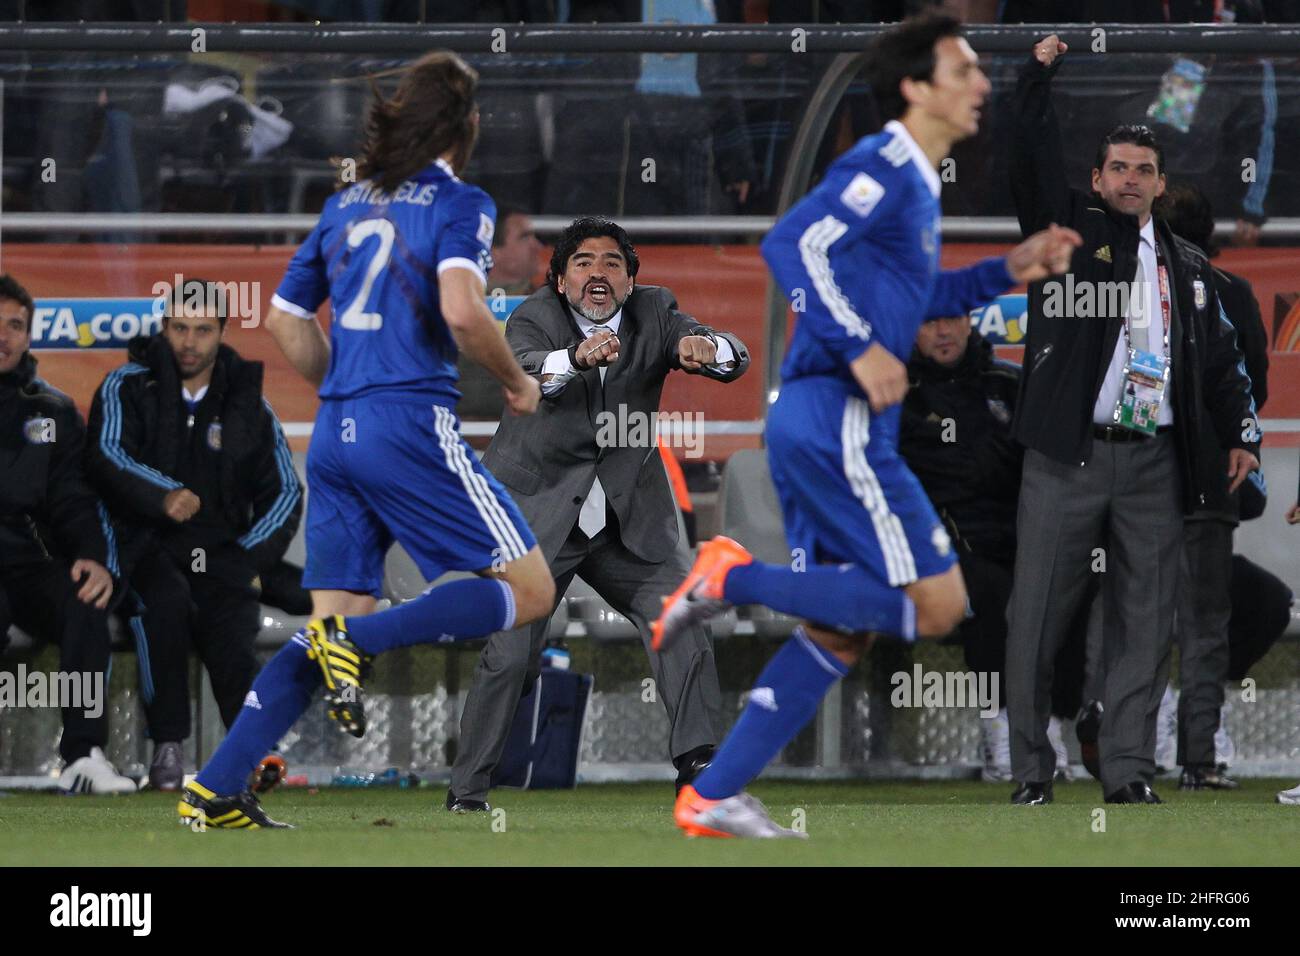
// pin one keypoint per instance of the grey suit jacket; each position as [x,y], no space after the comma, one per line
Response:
[550,459]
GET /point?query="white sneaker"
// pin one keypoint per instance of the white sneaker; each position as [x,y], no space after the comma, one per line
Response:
[1291,796]
[1167,731]
[1063,770]
[94,774]
[995,747]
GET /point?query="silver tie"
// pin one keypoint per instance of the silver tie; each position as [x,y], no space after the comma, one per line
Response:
[1140,332]
[591,519]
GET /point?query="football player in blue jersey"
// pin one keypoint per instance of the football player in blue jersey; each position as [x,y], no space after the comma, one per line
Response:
[860,254]
[402,254]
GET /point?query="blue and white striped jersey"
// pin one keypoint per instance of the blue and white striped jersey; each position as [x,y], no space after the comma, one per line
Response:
[858,257]
[377,257]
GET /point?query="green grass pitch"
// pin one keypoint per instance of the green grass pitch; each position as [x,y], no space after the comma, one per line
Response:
[855,823]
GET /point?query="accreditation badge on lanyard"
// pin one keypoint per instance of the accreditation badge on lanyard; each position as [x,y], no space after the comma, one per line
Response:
[1146,374]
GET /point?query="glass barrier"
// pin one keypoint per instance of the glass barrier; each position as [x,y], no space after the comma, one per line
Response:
[627,135]
[619,134]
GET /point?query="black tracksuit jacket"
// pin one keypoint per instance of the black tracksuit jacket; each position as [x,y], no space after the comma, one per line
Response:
[233,454]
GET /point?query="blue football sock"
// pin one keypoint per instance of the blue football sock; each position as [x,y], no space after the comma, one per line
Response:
[280,694]
[455,611]
[783,700]
[840,596]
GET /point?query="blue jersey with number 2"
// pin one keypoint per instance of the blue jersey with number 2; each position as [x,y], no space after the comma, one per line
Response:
[377,257]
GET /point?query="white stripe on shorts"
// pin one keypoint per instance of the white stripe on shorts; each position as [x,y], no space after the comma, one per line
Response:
[854,435]
[510,546]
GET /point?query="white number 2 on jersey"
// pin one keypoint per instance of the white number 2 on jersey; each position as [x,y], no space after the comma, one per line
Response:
[353,317]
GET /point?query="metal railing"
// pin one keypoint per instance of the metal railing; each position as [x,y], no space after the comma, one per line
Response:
[506,39]
[963,228]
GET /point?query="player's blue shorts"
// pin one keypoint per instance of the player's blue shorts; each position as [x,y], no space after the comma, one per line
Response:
[379,471]
[846,495]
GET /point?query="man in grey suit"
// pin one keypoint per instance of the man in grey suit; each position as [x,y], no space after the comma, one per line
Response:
[586,472]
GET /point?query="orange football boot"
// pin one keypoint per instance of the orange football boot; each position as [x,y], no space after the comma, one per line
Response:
[700,595]
[689,806]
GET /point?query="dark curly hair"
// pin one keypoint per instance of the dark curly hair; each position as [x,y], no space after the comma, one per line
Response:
[578,232]
[11,289]
[431,112]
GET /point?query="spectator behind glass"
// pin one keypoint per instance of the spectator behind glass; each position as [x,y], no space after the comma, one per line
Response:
[515,265]
[684,117]
[515,251]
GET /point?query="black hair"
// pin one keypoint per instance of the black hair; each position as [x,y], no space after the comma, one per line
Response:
[1138,136]
[578,232]
[213,295]
[1187,210]
[906,52]
[10,288]
[503,216]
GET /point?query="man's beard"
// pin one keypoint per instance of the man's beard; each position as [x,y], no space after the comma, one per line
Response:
[198,369]
[601,315]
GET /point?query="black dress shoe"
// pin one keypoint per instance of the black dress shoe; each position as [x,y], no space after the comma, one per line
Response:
[461,805]
[1032,794]
[691,764]
[1136,792]
[1087,726]
[1206,778]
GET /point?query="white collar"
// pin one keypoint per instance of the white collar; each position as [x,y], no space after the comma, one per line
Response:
[445,167]
[1148,232]
[918,155]
[196,397]
[589,328]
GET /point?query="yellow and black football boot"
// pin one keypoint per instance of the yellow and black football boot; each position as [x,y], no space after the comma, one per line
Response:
[344,666]
[200,809]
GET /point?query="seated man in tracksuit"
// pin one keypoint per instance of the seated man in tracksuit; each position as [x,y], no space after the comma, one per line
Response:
[56,563]
[199,481]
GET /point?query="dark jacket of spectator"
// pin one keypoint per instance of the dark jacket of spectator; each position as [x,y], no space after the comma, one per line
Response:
[1065,358]
[956,437]
[46,505]
[231,452]
[1242,312]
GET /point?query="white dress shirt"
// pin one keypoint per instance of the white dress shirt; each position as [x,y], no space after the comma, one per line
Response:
[591,519]
[1148,288]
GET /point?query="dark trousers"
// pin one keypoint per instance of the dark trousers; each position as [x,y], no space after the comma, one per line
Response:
[1261,612]
[685,674]
[1204,607]
[1125,501]
[984,634]
[42,600]
[172,610]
